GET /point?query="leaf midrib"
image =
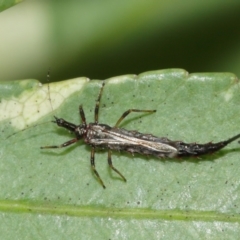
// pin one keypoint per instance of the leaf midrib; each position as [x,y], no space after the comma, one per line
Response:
[106,212]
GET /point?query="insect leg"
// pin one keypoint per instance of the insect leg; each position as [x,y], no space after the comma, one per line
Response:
[112,167]
[82,114]
[93,167]
[62,145]
[129,111]
[98,102]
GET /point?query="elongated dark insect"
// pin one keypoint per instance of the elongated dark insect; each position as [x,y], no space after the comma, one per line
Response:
[114,138]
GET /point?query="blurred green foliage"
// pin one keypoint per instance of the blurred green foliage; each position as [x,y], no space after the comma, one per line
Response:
[101,39]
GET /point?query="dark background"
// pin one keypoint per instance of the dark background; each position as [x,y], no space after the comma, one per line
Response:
[109,38]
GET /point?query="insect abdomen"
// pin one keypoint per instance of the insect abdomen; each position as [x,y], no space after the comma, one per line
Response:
[194,149]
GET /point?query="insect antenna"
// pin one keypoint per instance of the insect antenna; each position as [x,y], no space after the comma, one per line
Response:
[49,96]
[27,129]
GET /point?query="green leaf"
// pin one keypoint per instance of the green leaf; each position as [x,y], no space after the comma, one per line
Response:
[52,193]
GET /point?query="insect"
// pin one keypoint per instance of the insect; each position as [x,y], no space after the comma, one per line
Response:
[103,136]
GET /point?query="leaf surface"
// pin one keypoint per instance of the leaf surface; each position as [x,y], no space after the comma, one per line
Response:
[52,193]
